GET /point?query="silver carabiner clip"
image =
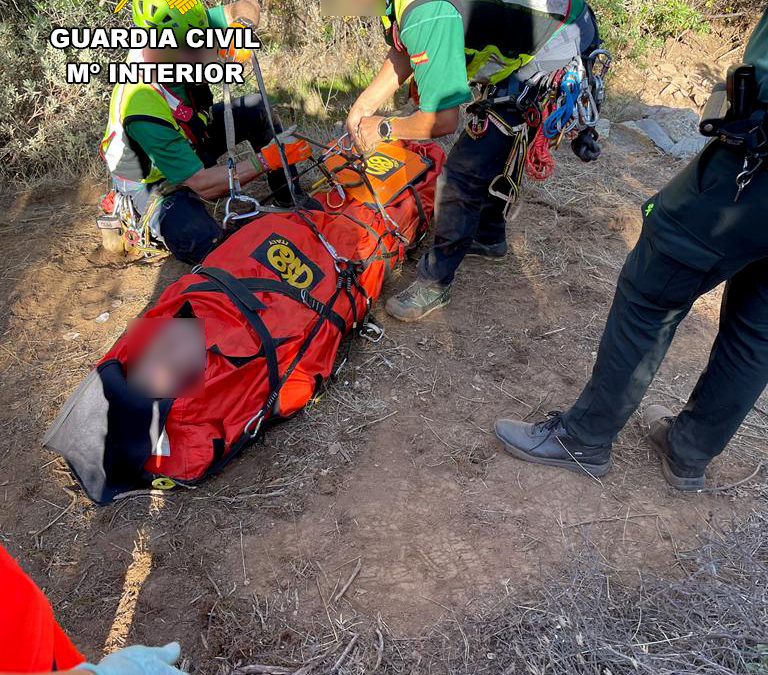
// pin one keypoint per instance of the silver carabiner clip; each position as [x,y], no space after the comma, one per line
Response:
[258,419]
[371,332]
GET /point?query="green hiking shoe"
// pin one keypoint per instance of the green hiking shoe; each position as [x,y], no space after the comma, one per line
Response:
[418,300]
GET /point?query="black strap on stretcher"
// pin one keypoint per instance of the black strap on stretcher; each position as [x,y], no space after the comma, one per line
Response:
[262,285]
[249,306]
[240,292]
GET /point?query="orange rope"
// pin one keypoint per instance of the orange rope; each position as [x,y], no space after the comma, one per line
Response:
[540,164]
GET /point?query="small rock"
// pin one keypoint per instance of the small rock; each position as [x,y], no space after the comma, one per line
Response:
[102,318]
[688,147]
[603,127]
[72,335]
[652,130]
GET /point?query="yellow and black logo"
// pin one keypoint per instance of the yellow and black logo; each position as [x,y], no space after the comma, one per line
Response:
[290,264]
[382,166]
[182,5]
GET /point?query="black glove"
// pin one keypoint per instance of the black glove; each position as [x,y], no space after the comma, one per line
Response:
[585,145]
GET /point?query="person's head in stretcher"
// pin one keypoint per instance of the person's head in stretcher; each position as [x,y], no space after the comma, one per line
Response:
[166,357]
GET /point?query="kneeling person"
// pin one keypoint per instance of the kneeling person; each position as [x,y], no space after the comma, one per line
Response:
[162,141]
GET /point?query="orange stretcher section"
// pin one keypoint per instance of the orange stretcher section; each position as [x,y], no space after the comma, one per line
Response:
[391,169]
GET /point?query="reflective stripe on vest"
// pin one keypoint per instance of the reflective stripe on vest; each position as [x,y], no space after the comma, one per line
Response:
[497,42]
[115,147]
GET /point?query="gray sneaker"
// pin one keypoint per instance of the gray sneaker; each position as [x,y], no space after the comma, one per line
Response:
[418,300]
[659,420]
[548,442]
[488,251]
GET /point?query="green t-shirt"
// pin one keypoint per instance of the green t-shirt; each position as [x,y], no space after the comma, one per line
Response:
[167,148]
[757,54]
[433,35]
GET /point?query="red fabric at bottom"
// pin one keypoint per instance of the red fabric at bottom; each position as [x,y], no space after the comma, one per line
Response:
[31,641]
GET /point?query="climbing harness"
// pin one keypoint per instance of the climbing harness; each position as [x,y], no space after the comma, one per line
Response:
[552,106]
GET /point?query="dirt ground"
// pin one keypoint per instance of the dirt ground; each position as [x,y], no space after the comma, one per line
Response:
[393,480]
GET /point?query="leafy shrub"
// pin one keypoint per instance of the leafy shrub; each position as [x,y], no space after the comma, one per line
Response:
[49,128]
[632,27]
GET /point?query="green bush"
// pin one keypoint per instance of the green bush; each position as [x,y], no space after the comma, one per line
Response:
[50,129]
[632,27]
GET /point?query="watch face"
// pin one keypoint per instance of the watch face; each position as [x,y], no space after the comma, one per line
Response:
[385,129]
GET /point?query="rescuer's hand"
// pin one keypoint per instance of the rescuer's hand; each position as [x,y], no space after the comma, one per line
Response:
[296,150]
[366,135]
[138,660]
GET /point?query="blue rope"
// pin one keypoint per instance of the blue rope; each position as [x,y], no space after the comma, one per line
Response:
[570,89]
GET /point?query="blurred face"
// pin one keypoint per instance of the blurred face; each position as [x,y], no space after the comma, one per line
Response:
[352,7]
[170,362]
[182,54]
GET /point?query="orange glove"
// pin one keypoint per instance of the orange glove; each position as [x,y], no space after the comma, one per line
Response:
[296,150]
[231,53]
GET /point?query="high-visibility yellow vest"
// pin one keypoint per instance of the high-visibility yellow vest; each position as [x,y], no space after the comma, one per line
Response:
[501,36]
[142,101]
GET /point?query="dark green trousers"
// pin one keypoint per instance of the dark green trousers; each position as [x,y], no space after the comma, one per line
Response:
[694,237]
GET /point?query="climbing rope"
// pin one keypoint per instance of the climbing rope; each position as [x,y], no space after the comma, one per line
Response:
[562,119]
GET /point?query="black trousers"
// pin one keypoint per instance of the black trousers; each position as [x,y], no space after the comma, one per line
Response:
[694,237]
[464,209]
[189,231]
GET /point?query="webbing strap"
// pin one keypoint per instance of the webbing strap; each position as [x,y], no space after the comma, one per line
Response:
[270,402]
[249,306]
[261,285]
[229,131]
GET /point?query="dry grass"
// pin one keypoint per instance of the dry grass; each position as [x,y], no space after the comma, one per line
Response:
[712,617]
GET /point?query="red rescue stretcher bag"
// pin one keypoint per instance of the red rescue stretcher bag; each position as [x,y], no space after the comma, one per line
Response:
[276,299]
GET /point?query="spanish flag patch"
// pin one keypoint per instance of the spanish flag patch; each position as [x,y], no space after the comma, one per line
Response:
[418,59]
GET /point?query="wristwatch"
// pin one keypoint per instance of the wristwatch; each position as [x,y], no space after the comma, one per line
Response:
[385,130]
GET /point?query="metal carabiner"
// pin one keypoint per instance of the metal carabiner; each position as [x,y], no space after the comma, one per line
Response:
[371,332]
[589,115]
[349,147]
[258,418]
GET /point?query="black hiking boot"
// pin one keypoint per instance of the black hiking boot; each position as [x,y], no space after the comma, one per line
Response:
[547,442]
[659,421]
[418,300]
[488,251]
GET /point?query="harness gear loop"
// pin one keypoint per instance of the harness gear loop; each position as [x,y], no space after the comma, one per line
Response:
[506,186]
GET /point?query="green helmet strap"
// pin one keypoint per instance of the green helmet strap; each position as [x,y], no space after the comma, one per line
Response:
[179,15]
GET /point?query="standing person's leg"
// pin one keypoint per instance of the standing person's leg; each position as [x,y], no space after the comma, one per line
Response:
[694,236]
[462,192]
[490,241]
[462,200]
[736,375]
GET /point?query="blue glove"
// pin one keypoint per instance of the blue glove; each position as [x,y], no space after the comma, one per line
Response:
[138,660]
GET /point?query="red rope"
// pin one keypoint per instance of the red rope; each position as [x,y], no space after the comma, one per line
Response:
[540,164]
